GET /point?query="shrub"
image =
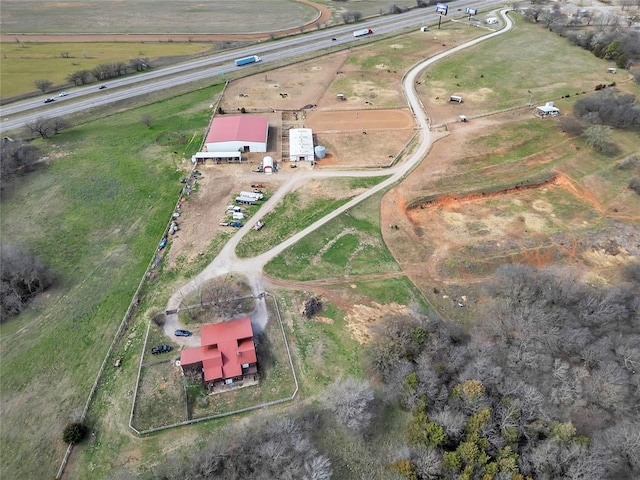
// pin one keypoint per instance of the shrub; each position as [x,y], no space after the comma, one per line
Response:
[74,432]
[634,184]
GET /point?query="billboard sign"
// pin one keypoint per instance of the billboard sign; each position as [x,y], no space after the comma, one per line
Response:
[442,8]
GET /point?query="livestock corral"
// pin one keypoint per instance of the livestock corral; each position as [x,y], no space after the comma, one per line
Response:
[463,211]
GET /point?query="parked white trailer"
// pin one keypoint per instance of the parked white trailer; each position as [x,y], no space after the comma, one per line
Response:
[254,195]
[362,32]
[238,216]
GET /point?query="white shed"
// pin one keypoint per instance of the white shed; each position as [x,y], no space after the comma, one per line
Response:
[301,145]
[548,111]
[267,165]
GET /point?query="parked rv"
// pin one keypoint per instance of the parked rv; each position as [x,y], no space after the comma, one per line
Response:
[255,195]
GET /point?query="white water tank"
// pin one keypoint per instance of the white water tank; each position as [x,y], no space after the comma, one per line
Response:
[320,151]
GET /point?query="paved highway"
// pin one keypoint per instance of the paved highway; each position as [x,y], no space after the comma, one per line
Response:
[17,114]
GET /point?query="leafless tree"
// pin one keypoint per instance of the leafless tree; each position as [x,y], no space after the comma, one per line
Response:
[219,297]
[351,402]
[453,421]
[571,125]
[16,158]
[79,78]
[46,127]
[140,64]
[43,85]
[22,278]
[42,126]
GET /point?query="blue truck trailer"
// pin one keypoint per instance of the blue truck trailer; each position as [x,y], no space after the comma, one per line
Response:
[247,60]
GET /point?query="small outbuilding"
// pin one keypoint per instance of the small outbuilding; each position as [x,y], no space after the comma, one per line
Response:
[267,165]
[301,145]
[548,110]
[218,157]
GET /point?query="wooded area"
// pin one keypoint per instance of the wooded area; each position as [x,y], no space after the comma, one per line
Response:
[545,387]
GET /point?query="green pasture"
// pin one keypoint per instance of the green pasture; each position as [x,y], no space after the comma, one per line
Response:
[151,16]
[21,64]
[289,217]
[350,244]
[321,350]
[94,216]
[500,72]
[382,63]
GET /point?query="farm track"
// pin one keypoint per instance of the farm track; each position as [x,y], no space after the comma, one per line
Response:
[303,284]
[324,15]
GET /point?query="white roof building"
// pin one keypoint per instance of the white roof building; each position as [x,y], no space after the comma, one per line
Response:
[301,145]
[548,110]
[239,133]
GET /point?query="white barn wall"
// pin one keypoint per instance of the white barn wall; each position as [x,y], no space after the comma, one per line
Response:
[301,145]
[237,146]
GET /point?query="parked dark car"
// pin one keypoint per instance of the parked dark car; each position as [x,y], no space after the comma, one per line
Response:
[236,224]
[182,333]
[161,349]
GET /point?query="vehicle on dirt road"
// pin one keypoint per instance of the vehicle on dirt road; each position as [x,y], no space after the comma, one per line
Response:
[102,87]
[182,333]
[63,94]
[49,100]
[161,349]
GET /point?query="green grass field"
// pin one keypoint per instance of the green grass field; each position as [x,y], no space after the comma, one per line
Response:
[21,64]
[289,217]
[500,72]
[351,244]
[94,215]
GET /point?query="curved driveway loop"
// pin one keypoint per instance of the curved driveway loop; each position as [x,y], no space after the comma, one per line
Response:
[228,263]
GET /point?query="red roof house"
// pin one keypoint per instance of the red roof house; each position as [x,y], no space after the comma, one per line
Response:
[240,133]
[227,352]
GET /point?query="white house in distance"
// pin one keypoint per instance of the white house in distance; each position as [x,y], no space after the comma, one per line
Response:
[239,133]
[549,110]
[301,145]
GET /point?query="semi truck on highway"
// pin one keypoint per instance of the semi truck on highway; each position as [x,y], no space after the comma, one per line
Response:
[362,32]
[247,60]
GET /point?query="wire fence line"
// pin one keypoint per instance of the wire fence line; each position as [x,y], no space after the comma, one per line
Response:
[219,415]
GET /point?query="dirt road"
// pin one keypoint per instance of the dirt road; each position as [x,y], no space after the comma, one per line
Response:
[228,263]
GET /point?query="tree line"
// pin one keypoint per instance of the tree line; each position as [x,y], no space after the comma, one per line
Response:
[99,73]
[546,387]
[605,35]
